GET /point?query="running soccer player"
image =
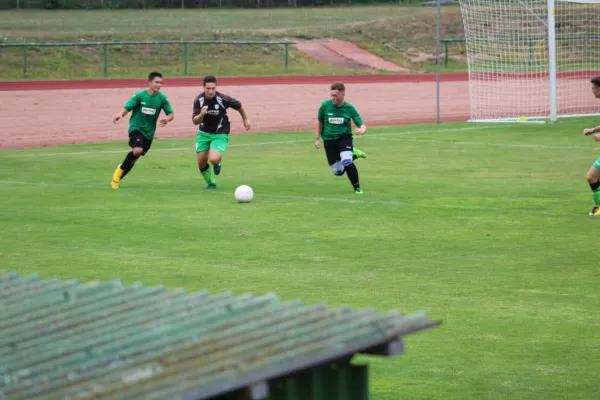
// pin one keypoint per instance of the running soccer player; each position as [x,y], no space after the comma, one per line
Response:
[334,127]
[212,138]
[593,174]
[145,107]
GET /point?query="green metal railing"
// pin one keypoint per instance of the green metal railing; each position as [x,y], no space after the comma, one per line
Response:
[185,43]
[530,40]
[445,42]
[463,40]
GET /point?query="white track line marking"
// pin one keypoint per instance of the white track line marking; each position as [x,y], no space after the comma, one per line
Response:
[377,136]
[191,147]
[362,201]
[531,146]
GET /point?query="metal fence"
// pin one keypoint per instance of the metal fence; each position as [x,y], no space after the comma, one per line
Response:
[141,4]
[185,45]
[529,43]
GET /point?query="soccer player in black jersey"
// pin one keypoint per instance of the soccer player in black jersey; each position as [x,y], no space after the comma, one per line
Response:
[210,114]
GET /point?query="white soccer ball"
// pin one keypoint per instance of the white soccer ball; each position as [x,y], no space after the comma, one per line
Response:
[244,194]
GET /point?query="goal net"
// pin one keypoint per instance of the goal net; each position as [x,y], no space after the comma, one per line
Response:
[531,59]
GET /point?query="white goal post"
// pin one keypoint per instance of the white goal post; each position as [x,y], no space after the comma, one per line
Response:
[531,60]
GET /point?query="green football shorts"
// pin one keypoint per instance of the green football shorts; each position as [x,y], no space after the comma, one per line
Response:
[597,164]
[216,141]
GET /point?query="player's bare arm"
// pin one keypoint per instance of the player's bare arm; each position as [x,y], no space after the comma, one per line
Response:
[245,119]
[590,131]
[166,120]
[120,115]
[198,118]
[318,134]
[360,130]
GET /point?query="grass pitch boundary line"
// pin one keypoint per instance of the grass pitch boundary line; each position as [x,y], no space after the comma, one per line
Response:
[356,201]
[191,147]
[531,146]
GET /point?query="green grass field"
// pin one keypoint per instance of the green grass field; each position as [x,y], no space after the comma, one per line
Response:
[484,227]
[404,35]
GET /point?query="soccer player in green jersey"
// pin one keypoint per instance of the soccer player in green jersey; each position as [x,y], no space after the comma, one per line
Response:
[593,174]
[209,112]
[334,126]
[145,107]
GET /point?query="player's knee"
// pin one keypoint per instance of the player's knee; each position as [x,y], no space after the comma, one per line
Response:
[593,179]
[138,152]
[592,176]
[202,161]
[337,169]
[214,159]
[346,157]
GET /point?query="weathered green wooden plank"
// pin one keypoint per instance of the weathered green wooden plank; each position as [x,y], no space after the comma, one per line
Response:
[129,373]
[181,377]
[115,378]
[192,326]
[274,335]
[36,312]
[26,299]
[203,376]
[322,351]
[68,340]
[189,324]
[92,349]
[415,322]
[85,348]
[293,346]
[30,291]
[16,281]
[224,384]
[268,327]
[27,291]
[377,327]
[24,355]
[46,382]
[11,276]
[210,349]
[129,351]
[122,315]
[55,315]
[40,323]
[241,330]
[61,315]
[162,330]
[105,319]
[55,295]
[333,341]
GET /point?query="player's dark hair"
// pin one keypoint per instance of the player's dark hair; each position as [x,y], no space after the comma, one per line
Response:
[338,86]
[153,75]
[596,81]
[210,79]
